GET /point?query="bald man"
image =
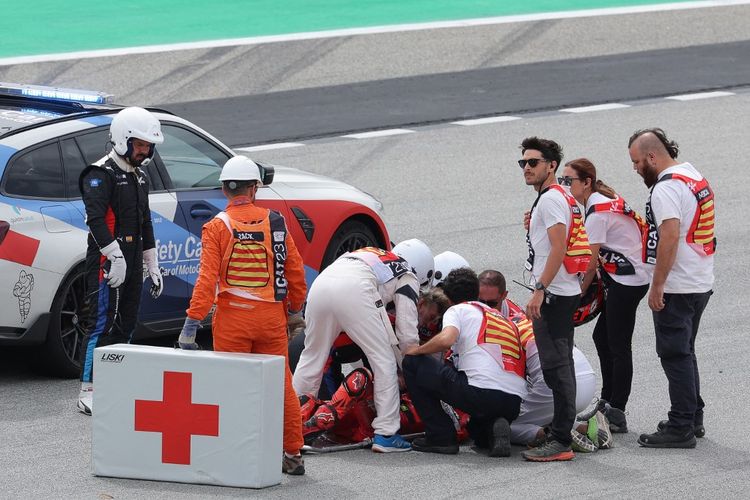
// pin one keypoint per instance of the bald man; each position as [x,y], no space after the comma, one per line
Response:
[681,244]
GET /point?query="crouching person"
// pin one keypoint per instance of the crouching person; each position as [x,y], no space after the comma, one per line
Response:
[486,379]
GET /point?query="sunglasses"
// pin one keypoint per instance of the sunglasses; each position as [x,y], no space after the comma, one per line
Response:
[491,303]
[533,162]
[567,180]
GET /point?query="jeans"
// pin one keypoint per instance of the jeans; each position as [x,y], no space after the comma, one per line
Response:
[430,381]
[676,327]
[554,340]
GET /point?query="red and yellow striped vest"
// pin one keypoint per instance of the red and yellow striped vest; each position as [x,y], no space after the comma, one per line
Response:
[500,338]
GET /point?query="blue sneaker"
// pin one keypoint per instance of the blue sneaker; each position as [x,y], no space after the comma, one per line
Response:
[389,444]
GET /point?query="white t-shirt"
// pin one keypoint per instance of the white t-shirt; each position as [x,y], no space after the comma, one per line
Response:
[480,367]
[551,209]
[670,199]
[619,233]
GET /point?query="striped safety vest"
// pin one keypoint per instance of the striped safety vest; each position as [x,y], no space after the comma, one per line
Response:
[578,253]
[615,262]
[500,338]
[253,263]
[700,237]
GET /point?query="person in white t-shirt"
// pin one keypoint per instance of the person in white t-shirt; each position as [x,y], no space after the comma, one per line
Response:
[486,379]
[680,212]
[615,233]
[558,251]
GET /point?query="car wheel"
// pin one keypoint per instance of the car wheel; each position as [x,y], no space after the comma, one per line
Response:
[61,351]
[351,235]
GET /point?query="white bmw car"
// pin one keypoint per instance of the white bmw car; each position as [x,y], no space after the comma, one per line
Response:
[47,137]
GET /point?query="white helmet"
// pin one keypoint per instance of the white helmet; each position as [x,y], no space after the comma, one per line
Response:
[419,256]
[134,122]
[447,262]
[240,168]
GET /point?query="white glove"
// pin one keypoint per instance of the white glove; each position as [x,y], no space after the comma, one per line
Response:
[187,335]
[152,267]
[118,267]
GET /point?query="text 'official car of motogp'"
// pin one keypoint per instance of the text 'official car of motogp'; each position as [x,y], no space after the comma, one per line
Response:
[48,136]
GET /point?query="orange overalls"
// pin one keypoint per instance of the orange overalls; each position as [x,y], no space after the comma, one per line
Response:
[252,320]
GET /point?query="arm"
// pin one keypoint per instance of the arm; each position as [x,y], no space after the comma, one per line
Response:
[590,274]
[405,299]
[147,227]
[557,235]
[666,253]
[97,192]
[204,292]
[439,343]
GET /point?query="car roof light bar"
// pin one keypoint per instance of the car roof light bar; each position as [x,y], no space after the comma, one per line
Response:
[55,93]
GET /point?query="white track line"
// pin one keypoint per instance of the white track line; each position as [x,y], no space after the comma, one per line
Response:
[699,95]
[597,107]
[378,133]
[266,147]
[148,49]
[483,121]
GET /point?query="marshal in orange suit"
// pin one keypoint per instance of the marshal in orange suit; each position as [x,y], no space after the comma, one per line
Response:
[251,268]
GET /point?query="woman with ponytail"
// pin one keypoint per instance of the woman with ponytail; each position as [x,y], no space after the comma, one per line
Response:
[616,234]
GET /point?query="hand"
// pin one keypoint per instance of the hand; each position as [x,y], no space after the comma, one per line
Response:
[411,350]
[187,335]
[656,298]
[534,306]
[152,267]
[295,324]
[526,219]
[117,266]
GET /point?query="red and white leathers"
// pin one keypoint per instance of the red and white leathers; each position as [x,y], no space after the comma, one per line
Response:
[537,408]
[350,295]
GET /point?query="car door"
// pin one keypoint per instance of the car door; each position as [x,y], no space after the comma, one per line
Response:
[167,219]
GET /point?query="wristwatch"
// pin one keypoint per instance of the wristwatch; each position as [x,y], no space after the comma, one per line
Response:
[539,286]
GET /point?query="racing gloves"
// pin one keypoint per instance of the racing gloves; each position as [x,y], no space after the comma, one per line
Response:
[116,274]
[152,268]
[188,333]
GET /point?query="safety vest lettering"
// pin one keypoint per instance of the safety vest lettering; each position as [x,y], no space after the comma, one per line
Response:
[386,265]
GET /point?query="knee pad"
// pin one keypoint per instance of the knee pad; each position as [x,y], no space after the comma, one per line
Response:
[357,381]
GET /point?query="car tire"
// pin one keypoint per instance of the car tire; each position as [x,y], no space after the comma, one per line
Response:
[351,235]
[60,354]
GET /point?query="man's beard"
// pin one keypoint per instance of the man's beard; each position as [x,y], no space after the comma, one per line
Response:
[649,176]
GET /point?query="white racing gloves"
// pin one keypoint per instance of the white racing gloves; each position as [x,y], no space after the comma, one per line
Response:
[116,274]
[188,333]
[151,263]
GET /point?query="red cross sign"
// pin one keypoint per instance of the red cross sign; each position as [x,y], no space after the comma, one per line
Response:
[177,418]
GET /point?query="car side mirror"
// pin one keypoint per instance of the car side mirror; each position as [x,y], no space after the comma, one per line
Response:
[266,173]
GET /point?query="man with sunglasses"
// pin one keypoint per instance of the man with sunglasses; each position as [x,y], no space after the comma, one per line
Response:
[558,251]
[680,214]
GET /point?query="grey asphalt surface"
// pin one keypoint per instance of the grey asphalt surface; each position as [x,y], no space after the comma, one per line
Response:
[458,188]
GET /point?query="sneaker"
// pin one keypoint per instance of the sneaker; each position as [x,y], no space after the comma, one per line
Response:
[293,465]
[698,430]
[603,438]
[618,424]
[425,446]
[86,400]
[389,444]
[500,439]
[581,443]
[664,439]
[551,451]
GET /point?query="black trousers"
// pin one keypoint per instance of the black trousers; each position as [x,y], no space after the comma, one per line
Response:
[554,341]
[112,312]
[430,381]
[613,337]
[676,328]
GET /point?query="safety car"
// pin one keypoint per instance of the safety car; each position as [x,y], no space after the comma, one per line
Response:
[48,135]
